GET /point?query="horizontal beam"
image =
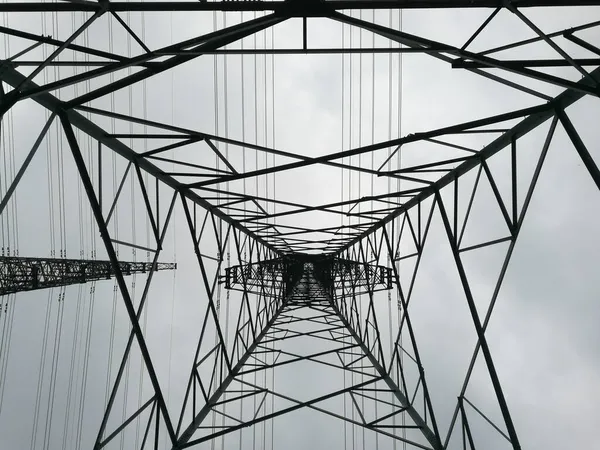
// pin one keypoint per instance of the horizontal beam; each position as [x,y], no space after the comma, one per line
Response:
[298,8]
[522,63]
[19,274]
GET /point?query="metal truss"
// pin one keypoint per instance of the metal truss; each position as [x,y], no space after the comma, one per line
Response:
[281,285]
[27,274]
[333,273]
[280,273]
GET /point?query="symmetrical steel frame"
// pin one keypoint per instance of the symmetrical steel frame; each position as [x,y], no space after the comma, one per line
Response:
[326,298]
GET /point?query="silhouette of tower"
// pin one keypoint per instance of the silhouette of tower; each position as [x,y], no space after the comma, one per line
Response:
[297,270]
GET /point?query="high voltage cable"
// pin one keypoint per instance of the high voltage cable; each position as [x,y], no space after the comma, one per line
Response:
[218,166]
[138,421]
[257,193]
[41,370]
[72,367]
[243,117]
[133,232]
[54,367]
[7,313]
[274,210]
[86,359]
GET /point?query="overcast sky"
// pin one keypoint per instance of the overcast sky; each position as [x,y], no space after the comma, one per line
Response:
[543,333]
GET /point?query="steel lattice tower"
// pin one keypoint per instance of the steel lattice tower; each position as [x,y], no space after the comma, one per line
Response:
[271,287]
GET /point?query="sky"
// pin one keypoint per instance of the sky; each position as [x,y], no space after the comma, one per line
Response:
[542,332]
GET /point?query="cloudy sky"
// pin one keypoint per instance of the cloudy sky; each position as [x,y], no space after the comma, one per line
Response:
[58,357]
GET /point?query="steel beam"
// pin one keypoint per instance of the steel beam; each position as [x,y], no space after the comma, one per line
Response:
[53,104]
[309,8]
[530,123]
[18,274]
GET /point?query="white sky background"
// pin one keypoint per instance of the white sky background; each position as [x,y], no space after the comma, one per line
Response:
[543,333]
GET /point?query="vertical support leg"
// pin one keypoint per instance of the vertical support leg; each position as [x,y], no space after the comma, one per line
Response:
[478,327]
[137,330]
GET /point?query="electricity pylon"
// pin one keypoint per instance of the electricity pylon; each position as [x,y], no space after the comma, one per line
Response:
[326,287]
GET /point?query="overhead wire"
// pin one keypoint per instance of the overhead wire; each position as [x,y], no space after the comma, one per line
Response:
[398,181]
[115,228]
[273,145]
[226,131]
[85,363]
[218,166]
[266,188]
[373,185]
[174,236]
[243,118]
[54,367]
[88,247]
[80,200]
[41,371]
[342,217]
[257,193]
[71,386]
[48,146]
[91,232]
[389,189]
[73,368]
[141,379]
[4,219]
[350,190]
[9,226]
[133,181]
[7,318]
[60,157]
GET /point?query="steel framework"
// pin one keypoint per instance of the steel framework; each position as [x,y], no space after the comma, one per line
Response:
[27,274]
[297,283]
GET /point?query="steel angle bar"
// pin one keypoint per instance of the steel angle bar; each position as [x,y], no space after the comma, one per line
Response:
[580,147]
[538,38]
[479,30]
[50,102]
[574,63]
[314,9]
[16,94]
[25,164]
[432,437]
[471,126]
[419,42]
[584,44]
[188,433]
[506,262]
[58,43]
[130,31]
[478,326]
[486,418]
[529,123]
[319,51]
[104,233]
[62,47]
[416,41]
[131,418]
[132,334]
[524,63]
[210,41]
